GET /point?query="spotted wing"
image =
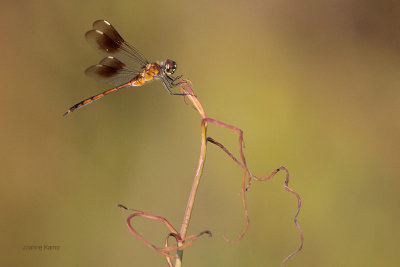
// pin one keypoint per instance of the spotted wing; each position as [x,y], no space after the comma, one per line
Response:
[112,71]
[104,38]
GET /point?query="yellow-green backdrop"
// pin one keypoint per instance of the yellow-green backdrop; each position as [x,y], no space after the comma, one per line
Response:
[313,84]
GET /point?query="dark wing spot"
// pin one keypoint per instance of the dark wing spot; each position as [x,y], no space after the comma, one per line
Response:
[112,62]
[102,42]
[102,71]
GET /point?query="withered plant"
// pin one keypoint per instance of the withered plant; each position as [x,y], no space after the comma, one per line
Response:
[182,240]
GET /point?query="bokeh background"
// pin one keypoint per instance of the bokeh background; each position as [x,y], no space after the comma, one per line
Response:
[313,84]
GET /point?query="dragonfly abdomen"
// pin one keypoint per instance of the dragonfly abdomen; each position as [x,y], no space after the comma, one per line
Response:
[95,97]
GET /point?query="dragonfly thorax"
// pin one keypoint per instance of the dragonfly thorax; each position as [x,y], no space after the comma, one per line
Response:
[169,66]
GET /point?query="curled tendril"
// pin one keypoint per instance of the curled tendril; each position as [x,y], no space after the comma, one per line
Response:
[167,249]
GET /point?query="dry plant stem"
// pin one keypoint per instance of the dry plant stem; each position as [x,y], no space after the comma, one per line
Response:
[195,103]
[192,196]
[183,241]
[246,174]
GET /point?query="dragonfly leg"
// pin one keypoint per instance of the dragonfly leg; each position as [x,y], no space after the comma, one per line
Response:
[172,82]
[168,84]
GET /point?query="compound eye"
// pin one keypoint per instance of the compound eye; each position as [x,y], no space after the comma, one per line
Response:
[170,66]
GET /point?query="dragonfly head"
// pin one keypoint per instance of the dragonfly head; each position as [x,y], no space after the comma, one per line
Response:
[169,66]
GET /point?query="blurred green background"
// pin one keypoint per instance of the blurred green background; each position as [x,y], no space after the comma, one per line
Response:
[313,84]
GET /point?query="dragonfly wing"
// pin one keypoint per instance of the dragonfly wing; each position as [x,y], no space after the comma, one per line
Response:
[112,62]
[112,71]
[107,40]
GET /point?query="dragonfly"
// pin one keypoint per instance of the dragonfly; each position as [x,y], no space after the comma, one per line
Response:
[123,65]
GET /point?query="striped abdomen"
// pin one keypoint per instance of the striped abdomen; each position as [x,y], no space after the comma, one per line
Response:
[150,72]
